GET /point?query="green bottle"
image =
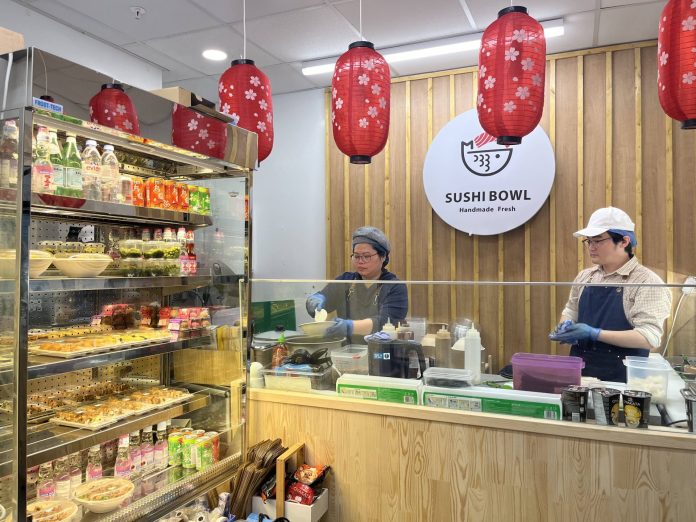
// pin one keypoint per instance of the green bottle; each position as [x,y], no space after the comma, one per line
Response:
[56,159]
[72,163]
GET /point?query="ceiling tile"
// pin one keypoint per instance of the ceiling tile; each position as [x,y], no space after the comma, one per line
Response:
[579,33]
[229,11]
[64,12]
[161,19]
[485,12]
[410,21]
[614,29]
[173,69]
[617,3]
[287,78]
[302,35]
[187,49]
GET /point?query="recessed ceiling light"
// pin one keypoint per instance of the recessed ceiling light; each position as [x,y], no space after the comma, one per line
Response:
[214,54]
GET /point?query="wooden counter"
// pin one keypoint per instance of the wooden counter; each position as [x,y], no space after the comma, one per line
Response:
[412,463]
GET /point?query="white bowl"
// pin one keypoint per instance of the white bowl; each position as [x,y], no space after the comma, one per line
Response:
[316,328]
[53,510]
[104,486]
[83,265]
[39,261]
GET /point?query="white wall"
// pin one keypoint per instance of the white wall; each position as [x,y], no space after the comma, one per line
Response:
[289,239]
[49,35]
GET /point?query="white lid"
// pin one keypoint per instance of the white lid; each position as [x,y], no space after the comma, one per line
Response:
[162,426]
[96,447]
[147,429]
[91,143]
[109,147]
[460,345]
[135,433]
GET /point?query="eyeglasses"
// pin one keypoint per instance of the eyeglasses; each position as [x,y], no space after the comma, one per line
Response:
[360,257]
[589,243]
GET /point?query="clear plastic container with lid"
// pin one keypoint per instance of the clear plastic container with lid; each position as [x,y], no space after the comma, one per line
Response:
[351,359]
[649,374]
[130,248]
[448,377]
[545,373]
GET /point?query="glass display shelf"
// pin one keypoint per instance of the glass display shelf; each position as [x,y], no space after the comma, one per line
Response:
[50,441]
[192,165]
[43,366]
[51,206]
[76,284]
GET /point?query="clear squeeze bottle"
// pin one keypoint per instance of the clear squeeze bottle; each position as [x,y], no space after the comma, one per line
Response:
[472,353]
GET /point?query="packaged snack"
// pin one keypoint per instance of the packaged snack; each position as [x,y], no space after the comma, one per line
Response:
[310,475]
[183,196]
[300,493]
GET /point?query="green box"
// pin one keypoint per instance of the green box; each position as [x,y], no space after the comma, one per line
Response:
[471,402]
[269,314]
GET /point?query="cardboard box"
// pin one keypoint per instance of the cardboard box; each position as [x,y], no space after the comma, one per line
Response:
[10,41]
[293,511]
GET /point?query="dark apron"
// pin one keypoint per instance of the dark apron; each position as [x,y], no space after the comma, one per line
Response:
[362,303]
[602,307]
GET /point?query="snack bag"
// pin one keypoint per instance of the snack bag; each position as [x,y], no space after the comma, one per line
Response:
[310,475]
[300,493]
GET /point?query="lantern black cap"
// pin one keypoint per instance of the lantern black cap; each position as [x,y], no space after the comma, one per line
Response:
[509,140]
[362,43]
[360,160]
[689,124]
[242,61]
[512,9]
[47,97]
[118,86]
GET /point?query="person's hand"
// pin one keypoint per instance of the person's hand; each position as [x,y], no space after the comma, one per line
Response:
[315,302]
[560,328]
[577,332]
[340,328]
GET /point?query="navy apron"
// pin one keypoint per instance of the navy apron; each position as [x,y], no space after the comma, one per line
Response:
[602,307]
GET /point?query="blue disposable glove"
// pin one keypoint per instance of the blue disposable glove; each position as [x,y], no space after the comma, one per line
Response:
[315,302]
[560,328]
[340,328]
[577,332]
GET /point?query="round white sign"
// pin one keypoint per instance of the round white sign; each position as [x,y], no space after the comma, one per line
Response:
[480,187]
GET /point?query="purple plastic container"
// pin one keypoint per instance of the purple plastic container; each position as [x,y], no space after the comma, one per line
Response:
[545,373]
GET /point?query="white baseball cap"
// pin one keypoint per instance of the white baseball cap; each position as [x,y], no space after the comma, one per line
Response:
[605,219]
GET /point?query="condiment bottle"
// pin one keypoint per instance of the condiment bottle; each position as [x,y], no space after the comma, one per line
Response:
[472,353]
[443,341]
[390,329]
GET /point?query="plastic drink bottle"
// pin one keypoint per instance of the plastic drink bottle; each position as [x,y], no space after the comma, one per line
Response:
[91,172]
[94,463]
[161,453]
[72,168]
[61,477]
[147,451]
[134,452]
[46,487]
[122,466]
[42,170]
[110,176]
[75,465]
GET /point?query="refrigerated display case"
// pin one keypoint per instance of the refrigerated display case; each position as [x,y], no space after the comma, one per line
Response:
[114,317]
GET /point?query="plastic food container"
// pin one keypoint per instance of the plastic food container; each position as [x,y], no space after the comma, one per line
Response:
[130,248]
[313,344]
[649,375]
[545,373]
[448,377]
[351,359]
[300,381]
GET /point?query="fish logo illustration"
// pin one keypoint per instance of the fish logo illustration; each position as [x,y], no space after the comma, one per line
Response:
[484,162]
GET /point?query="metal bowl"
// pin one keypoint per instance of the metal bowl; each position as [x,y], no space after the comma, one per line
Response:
[313,343]
[316,328]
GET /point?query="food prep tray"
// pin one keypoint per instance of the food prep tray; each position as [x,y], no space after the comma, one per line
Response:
[97,349]
[91,427]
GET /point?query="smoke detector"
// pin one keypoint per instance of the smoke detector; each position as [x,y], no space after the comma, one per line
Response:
[138,12]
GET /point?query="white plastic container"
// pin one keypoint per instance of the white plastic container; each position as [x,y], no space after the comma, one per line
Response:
[351,359]
[648,374]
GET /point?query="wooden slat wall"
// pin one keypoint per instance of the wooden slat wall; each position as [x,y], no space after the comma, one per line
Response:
[614,146]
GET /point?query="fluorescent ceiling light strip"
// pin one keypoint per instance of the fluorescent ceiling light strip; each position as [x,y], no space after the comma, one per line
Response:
[552,29]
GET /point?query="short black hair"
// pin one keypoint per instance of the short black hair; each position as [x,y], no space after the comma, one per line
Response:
[618,238]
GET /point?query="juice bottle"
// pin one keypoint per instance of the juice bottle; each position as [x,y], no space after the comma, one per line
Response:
[147,451]
[56,158]
[161,453]
[110,176]
[42,170]
[94,464]
[134,452]
[125,190]
[91,172]
[75,464]
[122,466]
[72,168]
[138,191]
[61,477]
[46,487]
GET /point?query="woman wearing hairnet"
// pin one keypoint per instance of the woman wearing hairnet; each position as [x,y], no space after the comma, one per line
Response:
[363,308]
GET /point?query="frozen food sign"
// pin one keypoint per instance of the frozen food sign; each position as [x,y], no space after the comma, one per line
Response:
[480,187]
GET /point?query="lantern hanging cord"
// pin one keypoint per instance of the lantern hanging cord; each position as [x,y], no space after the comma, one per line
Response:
[361,33]
[244,27]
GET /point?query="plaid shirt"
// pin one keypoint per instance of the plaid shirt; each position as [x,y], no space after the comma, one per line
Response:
[646,308]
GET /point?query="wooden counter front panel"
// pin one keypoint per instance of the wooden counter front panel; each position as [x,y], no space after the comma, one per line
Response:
[394,469]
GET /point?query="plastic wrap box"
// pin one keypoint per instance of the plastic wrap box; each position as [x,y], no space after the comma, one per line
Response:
[495,400]
[387,389]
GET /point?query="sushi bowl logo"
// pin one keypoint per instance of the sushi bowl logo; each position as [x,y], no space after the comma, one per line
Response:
[488,161]
[480,187]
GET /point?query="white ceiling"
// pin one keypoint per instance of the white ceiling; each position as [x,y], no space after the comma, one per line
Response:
[283,33]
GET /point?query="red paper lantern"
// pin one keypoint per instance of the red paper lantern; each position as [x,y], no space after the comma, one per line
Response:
[245,95]
[512,70]
[676,65]
[113,108]
[360,92]
[193,131]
